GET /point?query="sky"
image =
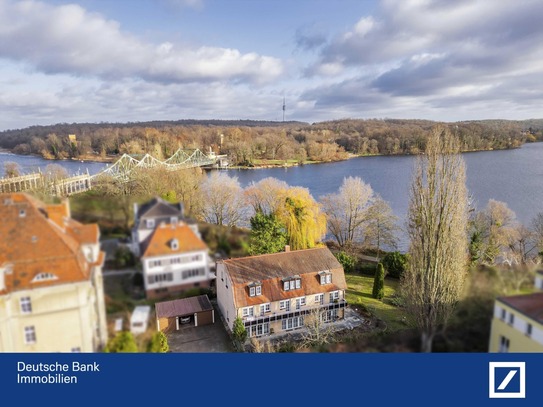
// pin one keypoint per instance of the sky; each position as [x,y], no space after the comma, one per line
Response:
[141,60]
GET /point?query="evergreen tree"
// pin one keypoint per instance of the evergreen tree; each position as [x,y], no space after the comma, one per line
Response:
[379,282]
[268,234]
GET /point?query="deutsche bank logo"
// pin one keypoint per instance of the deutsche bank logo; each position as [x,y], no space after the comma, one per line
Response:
[507,380]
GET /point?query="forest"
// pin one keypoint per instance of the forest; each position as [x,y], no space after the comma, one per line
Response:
[251,143]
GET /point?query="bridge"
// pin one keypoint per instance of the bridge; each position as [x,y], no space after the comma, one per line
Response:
[121,170]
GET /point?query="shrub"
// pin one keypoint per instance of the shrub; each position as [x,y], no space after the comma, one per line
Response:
[347,261]
[395,264]
[158,343]
[239,331]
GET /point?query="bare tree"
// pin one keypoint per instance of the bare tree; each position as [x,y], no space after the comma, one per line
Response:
[317,331]
[382,225]
[222,199]
[266,195]
[437,228]
[537,229]
[347,211]
[12,169]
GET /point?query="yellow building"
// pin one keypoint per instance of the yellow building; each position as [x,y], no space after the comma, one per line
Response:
[517,324]
[51,289]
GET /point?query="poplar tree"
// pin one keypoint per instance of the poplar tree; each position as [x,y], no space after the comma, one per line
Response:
[437,228]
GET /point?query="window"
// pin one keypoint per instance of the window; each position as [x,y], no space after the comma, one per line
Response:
[155,263]
[292,284]
[192,273]
[334,295]
[284,305]
[511,318]
[319,299]
[247,311]
[265,308]
[329,315]
[30,335]
[258,330]
[292,323]
[76,350]
[255,289]
[503,314]
[26,305]
[150,223]
[159,278]
[300,302]
[504,344]
[325,277]
[529,329]
[174,244]
[44,277]
[173,220]
[22,213]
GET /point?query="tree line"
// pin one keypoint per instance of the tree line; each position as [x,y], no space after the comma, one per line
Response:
[248,143]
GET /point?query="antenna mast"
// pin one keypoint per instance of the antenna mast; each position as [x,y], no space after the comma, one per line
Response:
[284,107]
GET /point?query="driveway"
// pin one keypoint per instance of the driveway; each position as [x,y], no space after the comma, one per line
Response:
[200,339]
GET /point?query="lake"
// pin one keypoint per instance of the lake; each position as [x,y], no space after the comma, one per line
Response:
[512,176]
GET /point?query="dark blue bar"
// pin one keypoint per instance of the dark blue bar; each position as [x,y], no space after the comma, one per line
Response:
[347,379]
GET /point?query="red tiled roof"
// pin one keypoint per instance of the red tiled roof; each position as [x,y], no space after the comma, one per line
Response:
[271,269]
[160,242]
[530,305]
[33,243]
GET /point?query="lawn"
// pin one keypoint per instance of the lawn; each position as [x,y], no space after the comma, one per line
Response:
[358,293]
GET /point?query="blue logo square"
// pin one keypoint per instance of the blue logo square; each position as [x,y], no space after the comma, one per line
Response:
[505,381]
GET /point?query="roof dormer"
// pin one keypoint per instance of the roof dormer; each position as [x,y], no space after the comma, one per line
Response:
[174,244]
[292,283]
[255,288]
[325,277]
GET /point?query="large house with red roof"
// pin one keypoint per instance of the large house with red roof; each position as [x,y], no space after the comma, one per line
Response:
[275,293]
[51,290]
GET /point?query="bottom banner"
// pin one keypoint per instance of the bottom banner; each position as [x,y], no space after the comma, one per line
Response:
[273,379]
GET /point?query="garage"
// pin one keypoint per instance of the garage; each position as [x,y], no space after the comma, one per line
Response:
[191,311]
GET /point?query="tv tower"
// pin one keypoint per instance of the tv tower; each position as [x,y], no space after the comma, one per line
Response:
[284,108]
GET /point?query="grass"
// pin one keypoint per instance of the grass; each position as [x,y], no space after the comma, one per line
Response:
[359,293]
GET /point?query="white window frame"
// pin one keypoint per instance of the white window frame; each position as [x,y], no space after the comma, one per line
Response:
[284,304]
[258,290]
[319,299]
[285,285]
[30,335]
[334,295]
[149,223]
[504,344]
[25,304]
[264,308]
[247,312]
[252,291]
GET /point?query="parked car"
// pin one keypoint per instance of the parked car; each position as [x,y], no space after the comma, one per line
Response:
[185,320]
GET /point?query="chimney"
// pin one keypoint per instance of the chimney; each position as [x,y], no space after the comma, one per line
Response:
[287,248]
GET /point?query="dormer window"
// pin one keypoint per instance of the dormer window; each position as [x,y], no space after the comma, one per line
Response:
[255,289]
[292,283]
[44,277]
[325,277]
[149,223]
[174,244]
[174,220]
[22,213]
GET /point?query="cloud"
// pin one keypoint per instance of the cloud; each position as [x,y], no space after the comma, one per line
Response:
[69,39]
[434,55]
[309,38]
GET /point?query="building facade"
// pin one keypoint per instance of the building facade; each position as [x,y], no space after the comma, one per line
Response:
[175,259]
[278,292]
[517,324]
[51,288]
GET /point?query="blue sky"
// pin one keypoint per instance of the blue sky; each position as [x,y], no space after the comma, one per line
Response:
[117,61]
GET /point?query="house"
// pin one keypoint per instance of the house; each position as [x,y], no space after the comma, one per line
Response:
[51,289]
[517,324]
[151,214]
[175,260]
[274,293]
